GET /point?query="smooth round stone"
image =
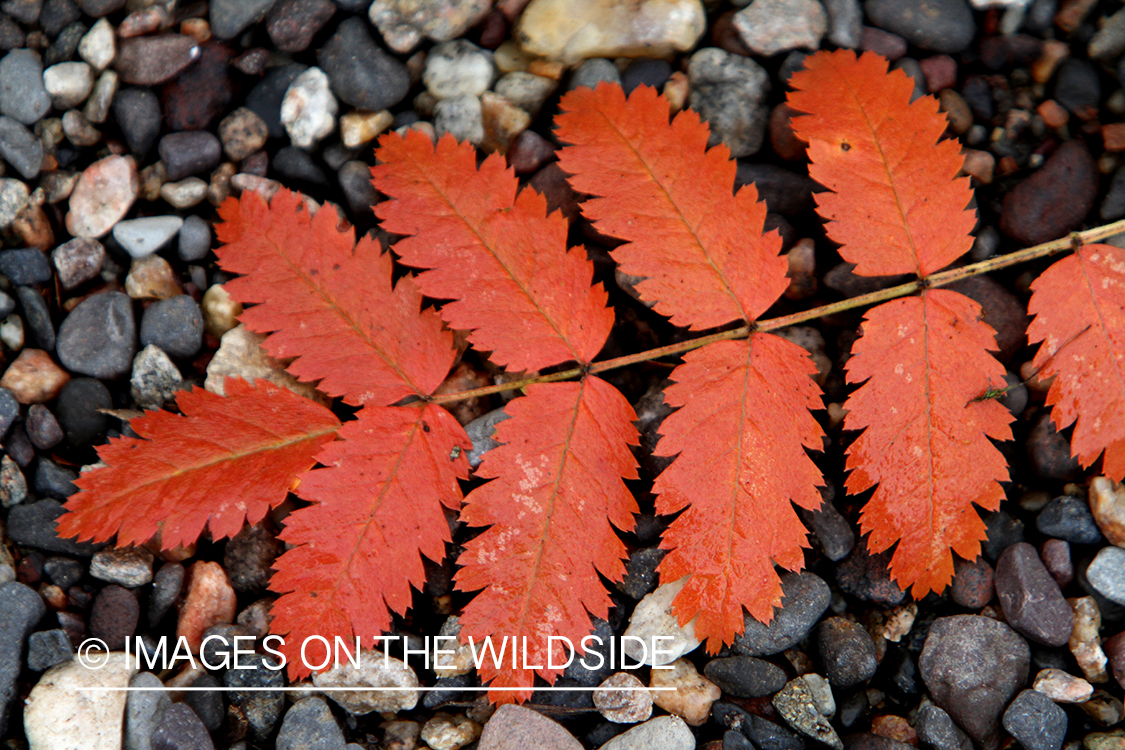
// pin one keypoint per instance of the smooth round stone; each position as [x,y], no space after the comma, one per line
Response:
[1107,574]
[78,410]
[189,153]
[458,68]
[308,110]
[104,194]
[137,112]
[938,25]
[310,725]
[230,17]
[98,337]
[144,236]
[148,60]
[20,148]
[25,266]
[362,74]
[745,676]
[175,325]
[194,239]
[37,317]
[68,83]
[98,46]
[266,97]
[403,23]
[292,24]
[22,95]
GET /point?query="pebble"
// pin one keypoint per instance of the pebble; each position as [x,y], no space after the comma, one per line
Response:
[266,97]
[242,132]
[114,616]
[745,676]
[355,181]
[78,129]
[1107,505]
[152,277]
[37,316]
[101,98]
[309,725]
[220,311]
[292,24]
[867,577]
[592,72]
[1069,518]
[98,47]
[13,484]
[461,117]
[189,153]
[653,617]
[42,428]
[103,195]
[98,337]
[155,379]
[938,25]
[20,610]
[665,732]
[1063,687]
[972,583]
[308,110]
[62,712]
[129,566]
[262,708]
[185,193]
[294,165]
[77,410]
[194,239]
[175,325]
[207,705]
[362,74]
[34,378]
[1084,641]
[25,266]
[33,524]
[229,18]
[847,652]
[68,83]
[805,597]
[729,92]
[210,600]
[20,148]
[375,670]
[48,648]
[627,703]
[149,60]
[181,729]
[1054,200]
[972,666]
[526,90]
[796,704]
[13,198]
[360,127]
[166,587]
[22,94]
[137,113]
[143,710]
[403,23]
[458,68]
[516,728]
[936,729]
[11,332]
[693,695]
[142,237]
[248,557]
[768,27]
[1030,598]
[53,480]
[1106,573]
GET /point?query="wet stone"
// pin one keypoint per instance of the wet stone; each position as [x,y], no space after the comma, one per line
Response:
[938,25]
[13,484]
[180,729]
[129,567]
[22,95]
[362,74]
[1053,200]
[833,533]
[174,325]
[292,24]
[265,98]
[248,557]
[745,676]
[1069,518]
[640,571]
[627,703]
[189,153]
[1030,597]
[98,337]
[230,17]
[797,706]
[309,724]
[1003,531]
[805,597]
[202,92]
[166,587]
[729,91]
[20,148]
[53,480]
[847,652]
[972,666]
[9,410]
[47,648]
[25,266]
[208,706]
[972,583]
[867,577]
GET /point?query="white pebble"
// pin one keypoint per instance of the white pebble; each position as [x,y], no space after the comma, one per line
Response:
[308,110]
[141,237]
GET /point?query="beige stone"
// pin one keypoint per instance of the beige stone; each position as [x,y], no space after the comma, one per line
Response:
[152,277]
[1062,687]
[692,695]
[375,670]
[63,712]
[220,311]
[361,126]
[240,355]
[1107,503]
[573,30]
[1085,643]
[503,121]
[446,732]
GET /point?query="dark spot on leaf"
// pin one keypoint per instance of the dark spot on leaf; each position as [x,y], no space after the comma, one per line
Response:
[845,146]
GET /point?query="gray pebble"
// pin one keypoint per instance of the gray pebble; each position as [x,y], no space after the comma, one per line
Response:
[194,239]
[20,148]
[310,725]
[174,325]
[98,337]
[1035,721]
[37,317]
[22,94]
[361,73]
[230,17]
[20,609]
[47,648]
[805,596]
[938,25]
[1106,574]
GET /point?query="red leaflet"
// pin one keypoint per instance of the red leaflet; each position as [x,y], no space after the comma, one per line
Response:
[741,434]
[225,462]
[895,206]
[926,439]
[1079,309]
[504,262]
[556,488]
[376,509]
[699,246]
[329,302]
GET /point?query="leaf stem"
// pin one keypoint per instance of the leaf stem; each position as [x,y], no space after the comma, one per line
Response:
[1071,242]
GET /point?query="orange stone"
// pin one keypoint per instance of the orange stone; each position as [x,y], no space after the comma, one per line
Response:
[210,601]
[1054,114]
[1114,136]
[34,378]
[894,728]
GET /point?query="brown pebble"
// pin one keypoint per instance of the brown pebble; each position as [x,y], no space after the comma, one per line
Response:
[1107,503]
[890,46]
[956,110]
[1055,554]
[34,378]
[1113,136]
[940,72]
[551,182]
[148,60]
[152,277]
[972,583]
[114,616]
[529,152]
[1115,651]
[1054,200]
[1054,114]
[785,143]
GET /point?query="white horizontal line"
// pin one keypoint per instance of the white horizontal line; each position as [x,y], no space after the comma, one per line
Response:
[376,689]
